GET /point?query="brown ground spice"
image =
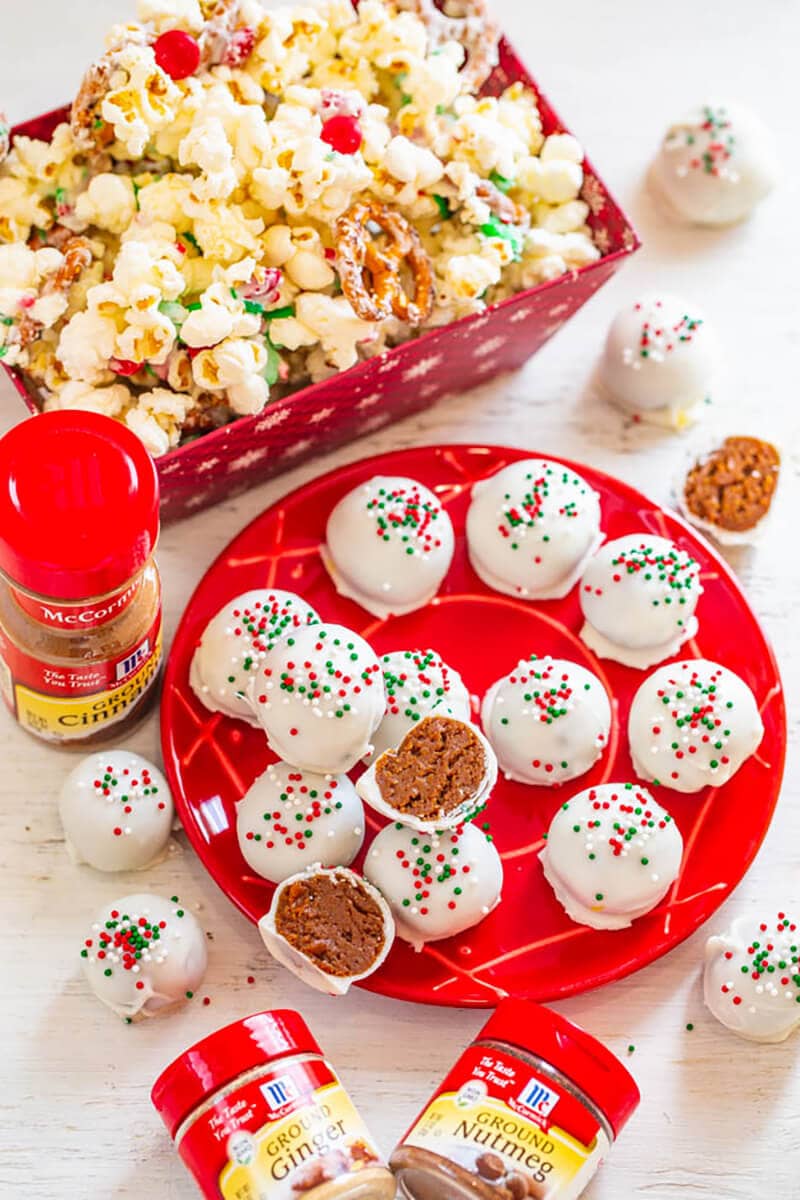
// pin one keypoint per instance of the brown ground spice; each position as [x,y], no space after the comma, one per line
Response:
[441,763]
[333,921]
[734,486]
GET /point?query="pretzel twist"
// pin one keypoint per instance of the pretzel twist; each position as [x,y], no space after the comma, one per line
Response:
[361,256]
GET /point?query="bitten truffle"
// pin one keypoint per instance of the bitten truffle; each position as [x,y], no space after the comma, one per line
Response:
[329,927]
[440,775]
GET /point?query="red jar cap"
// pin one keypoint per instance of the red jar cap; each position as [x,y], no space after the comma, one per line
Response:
[584,1060]
[224,1056]
[78,505]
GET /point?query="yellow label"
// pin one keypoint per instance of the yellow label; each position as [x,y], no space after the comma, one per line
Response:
[318,1142]
[65,717]
[476,1131]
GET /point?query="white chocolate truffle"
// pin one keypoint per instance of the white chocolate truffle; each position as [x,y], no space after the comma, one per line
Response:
[290,819]
[715,165]
[612,853]
[659,360]
[752,978]
[438,884]
[440,776]
[531,527]
[548,720]
[235,642]
[639,595]
[330,928]
[693,724]
[319,698]
[417,682]
[144,955]
[389,545]
[117,812]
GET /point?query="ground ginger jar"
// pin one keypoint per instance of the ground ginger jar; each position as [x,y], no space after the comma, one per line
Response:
[257,1113]
[80,595]
[529,1110]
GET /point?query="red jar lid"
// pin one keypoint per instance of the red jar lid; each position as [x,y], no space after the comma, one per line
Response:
[224,1056]
[585,1061]
[78,505]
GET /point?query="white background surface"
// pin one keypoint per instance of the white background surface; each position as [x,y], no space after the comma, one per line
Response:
[720,1119]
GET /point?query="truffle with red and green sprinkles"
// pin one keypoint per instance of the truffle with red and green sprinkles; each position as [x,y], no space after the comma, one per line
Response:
[389,544]
[715,165]
[236,640]
[693,724]
[612,854]
[436,884]
[143,955]
[417,682]
[659,361]
[289,819]
[638,595]
[117,812]
[531,527]
[318,695]
[752,977]
[548,720]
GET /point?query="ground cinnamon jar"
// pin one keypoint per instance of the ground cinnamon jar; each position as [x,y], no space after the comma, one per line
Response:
[257,1113]
[529,1110]
[80,595]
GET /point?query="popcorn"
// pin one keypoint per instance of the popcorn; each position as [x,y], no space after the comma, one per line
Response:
[219,315]
[142,98]
[157,418]
[329,321]
[235,367]
[109,203]
[211,206]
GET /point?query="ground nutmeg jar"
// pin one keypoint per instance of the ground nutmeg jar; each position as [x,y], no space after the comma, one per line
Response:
[80,596]
[257,1113]
[529,1110]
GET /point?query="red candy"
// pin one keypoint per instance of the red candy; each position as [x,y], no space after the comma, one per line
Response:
[122,366]
[343,134]
[177,53]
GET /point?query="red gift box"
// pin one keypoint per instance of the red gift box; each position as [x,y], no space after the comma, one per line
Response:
[401,381]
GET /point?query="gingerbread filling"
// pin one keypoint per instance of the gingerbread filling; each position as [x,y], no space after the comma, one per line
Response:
[333,921]
[734,486]
[440,766]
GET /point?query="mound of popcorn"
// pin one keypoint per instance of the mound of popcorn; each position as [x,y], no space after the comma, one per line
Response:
[174,256]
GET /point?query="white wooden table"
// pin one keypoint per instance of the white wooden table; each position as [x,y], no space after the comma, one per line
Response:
[719,1118]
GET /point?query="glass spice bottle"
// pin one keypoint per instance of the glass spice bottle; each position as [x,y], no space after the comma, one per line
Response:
[80,594]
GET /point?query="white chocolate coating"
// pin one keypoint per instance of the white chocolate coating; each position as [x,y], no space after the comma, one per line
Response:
[298,963]
[639,595]
[117,812]
[171,964]
[272,839]
[659,360]
[389,545]
[437,885]
[548,720]
[369,790]
[612,853]
[417,682]
[714,166]
[693,724]
[752,978]
[319,698]
[235,642]
[531,528]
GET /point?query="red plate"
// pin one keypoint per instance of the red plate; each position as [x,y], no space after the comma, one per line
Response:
[527,947]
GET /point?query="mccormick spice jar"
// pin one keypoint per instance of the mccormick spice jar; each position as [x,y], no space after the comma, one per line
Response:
[257,1113]
[529,1110]
[80,596]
